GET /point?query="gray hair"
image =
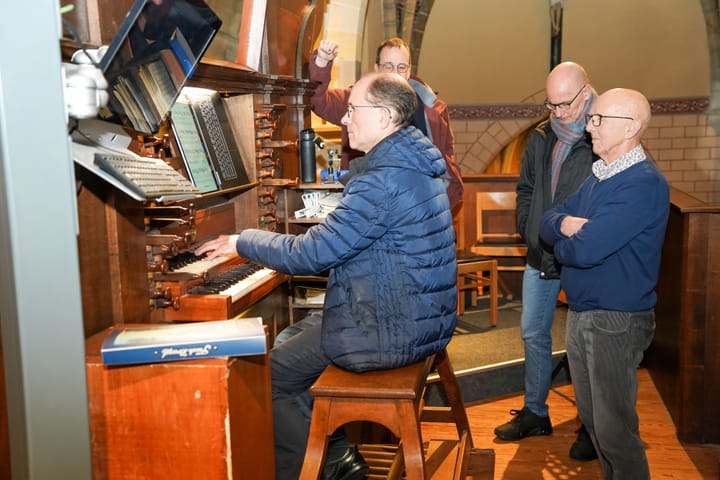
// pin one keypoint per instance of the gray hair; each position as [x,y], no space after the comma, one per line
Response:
[395,93]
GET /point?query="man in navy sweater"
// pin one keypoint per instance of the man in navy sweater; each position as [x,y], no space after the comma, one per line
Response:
[608,236]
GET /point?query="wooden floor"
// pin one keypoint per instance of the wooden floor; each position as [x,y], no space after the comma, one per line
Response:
[547,457]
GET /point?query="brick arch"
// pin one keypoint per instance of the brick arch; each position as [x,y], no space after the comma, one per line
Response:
[483,131]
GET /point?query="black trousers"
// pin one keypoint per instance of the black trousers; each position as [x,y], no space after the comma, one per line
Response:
[296,361]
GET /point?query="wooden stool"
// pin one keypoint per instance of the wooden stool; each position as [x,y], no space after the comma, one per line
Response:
[394,399]
[470,268]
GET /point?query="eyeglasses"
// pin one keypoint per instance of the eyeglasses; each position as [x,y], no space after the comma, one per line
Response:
[351,108]
[389,67]
[596,119]
[563,105]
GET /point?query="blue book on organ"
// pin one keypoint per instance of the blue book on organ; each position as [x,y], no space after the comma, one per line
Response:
[186,341]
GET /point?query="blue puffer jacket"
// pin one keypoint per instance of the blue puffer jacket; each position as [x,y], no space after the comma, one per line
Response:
[390,249]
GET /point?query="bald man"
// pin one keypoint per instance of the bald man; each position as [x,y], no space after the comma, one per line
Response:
[557,160]
[608,237]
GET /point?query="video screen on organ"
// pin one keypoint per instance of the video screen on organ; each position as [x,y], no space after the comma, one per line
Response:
[155,51]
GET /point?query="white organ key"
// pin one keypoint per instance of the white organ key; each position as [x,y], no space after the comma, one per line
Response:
[202,265]
[247,284]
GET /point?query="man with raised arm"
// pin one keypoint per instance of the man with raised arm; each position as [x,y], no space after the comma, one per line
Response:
[431,117]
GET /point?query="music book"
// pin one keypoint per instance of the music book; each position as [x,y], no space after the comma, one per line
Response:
[191,147]
[217,136]
[187,341]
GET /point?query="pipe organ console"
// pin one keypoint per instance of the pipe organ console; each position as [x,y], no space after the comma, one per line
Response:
[138,266]
[128,246]
[143,251]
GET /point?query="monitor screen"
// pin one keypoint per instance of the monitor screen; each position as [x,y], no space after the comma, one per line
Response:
[154,52]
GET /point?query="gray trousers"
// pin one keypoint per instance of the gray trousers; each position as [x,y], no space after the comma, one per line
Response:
[604,350]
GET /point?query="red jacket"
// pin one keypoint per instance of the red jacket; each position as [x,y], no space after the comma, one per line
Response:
[331,105]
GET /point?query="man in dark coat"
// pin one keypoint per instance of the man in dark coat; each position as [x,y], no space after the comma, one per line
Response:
[390,249]
[557,160]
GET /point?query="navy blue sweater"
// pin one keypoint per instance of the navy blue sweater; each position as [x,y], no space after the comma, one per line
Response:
[613,262]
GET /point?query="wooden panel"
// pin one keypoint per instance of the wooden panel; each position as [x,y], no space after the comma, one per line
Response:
[5,472]
[712,333]
[495,217]
[93,255]
[111,247]
[291,35]
[474,184]
[217,306]
[207,419]
[467,231]
[683,357]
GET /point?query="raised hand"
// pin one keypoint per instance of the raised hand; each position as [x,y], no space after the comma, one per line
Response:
[327,52]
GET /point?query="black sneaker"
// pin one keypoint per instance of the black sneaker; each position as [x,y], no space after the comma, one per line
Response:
[351,466]
[583,449]
[525,424]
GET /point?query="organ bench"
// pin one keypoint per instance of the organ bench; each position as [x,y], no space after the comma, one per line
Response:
[394,398]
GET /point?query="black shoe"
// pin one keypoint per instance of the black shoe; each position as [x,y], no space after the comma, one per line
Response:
[525,424]
[583,449]
[351,466]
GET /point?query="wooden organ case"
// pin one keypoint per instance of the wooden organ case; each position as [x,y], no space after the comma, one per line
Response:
[131,254]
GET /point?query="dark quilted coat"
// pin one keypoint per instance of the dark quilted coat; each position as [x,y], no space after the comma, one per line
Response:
[390,249]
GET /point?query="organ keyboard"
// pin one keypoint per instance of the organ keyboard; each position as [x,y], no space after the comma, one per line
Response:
[223,287]
[188,262]
[236,282]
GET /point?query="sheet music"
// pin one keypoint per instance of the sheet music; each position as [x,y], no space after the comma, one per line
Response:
[192,149]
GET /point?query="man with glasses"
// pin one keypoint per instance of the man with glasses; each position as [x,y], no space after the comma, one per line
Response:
[557,159]
[608,236]
[389,247]
[433,119]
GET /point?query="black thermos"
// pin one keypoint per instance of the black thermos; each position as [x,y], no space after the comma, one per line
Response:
[307,156]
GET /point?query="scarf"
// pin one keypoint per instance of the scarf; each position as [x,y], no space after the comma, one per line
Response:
[567,136]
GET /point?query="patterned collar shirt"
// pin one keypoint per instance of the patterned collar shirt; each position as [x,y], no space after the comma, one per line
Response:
[627,160]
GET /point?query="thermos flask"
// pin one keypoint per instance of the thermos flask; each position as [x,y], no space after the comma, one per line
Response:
[307,156]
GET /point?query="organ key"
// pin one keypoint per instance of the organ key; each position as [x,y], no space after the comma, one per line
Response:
[228,286]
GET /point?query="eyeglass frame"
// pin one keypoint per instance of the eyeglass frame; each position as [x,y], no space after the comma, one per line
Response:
[589,118]
[562,105]
[349,108]
[400,67]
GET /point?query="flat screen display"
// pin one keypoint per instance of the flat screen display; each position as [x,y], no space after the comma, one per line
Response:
[155,51]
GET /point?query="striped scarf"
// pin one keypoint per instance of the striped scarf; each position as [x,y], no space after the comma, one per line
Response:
[567,136]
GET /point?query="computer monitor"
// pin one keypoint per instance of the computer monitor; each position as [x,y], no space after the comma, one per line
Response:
[154,52]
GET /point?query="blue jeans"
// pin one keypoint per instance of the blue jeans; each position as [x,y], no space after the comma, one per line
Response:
[296,361]
[604,350]
[539,299]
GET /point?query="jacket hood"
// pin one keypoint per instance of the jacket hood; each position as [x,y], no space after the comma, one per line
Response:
[391,152]
[422,90]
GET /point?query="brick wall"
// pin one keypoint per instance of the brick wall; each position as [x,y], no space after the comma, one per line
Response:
[686,149]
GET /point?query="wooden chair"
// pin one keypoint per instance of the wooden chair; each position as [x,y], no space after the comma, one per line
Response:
[394,399]
[471,270]
[496,234]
